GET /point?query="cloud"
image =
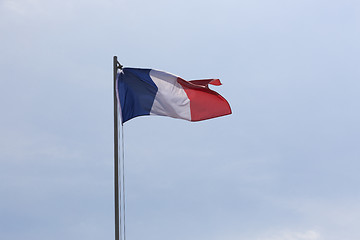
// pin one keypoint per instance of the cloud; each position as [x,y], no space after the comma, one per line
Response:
[289,235]
[23,7]
[285,234]
[40,8]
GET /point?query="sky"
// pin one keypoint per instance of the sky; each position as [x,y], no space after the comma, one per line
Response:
[283,166]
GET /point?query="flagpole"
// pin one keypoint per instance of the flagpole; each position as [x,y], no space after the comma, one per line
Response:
[116,153]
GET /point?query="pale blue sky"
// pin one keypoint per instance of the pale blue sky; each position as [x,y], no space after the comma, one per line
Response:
[283,166]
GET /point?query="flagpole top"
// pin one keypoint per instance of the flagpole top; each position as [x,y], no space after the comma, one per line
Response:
[118,65]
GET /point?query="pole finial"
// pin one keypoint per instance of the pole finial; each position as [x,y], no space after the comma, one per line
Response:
[117,65]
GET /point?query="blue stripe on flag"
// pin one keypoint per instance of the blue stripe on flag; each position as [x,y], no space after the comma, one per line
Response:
[136,92]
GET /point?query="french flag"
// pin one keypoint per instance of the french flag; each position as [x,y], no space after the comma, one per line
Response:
[153,92]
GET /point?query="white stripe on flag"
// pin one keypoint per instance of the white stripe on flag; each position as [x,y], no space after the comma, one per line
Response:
[171,99]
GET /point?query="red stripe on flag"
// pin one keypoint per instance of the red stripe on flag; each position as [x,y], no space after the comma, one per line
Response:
[205,82]
[204,102]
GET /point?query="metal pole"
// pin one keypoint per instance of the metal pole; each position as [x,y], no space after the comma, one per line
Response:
[116,153]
